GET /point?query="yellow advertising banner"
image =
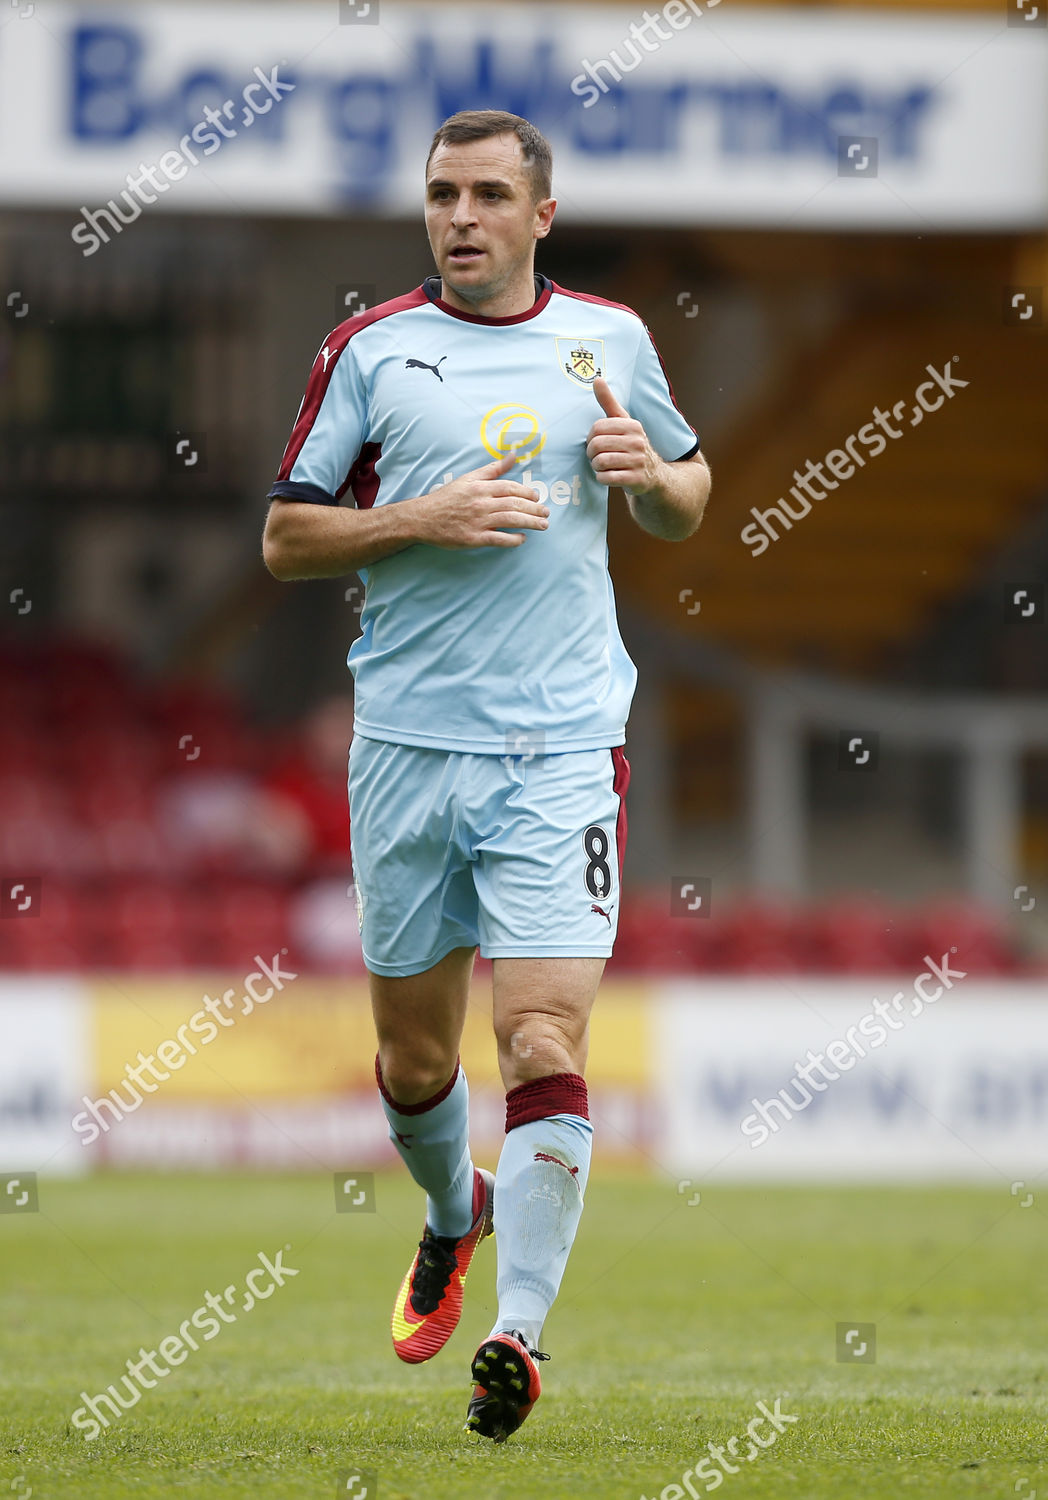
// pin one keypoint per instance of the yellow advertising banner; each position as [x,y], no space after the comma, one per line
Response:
[274,1037]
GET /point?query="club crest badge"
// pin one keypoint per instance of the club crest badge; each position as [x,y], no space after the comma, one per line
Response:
[580,359]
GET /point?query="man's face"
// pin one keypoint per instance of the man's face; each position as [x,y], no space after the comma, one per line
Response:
[478,195]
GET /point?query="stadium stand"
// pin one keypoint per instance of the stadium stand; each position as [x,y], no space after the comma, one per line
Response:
[136,807]
[853,583]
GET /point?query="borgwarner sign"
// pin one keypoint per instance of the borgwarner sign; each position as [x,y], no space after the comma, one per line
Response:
[690,111]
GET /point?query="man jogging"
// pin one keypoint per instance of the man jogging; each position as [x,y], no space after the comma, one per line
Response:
[477,424]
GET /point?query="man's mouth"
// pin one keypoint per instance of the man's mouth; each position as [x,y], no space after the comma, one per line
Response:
[464,252]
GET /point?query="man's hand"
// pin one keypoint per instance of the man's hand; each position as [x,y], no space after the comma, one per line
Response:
[303,540]
[469,511]
[618,446]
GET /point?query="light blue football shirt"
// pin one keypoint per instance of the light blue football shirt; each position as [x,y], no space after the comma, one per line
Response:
[486,649]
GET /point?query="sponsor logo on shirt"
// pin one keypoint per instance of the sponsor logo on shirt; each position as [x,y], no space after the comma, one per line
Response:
[512,428]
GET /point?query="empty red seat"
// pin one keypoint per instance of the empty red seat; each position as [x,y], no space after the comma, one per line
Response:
[246,919]
[144,952]
[55,935]
[124,749]
[852,935]
[978,938]
[758,937]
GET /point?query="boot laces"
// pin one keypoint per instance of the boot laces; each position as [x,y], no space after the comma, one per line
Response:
[533,1352]
[433,1270]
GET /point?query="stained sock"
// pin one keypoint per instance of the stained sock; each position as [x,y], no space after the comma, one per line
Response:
[433,1141]
[539,1186]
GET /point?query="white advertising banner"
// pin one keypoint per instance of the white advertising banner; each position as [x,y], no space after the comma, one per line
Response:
[840,1079]
[45,1066]
[682,113]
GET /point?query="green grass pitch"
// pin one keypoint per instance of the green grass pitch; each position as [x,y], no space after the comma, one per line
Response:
[673,1322]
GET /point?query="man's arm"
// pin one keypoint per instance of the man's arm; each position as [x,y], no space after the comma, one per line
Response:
[306,540]
[303,540]
[672,508]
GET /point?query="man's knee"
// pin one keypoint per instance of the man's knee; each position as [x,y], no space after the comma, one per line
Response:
[411,1073]
[533,1044]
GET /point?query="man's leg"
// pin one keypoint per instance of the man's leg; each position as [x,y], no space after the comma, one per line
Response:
[419,1021]
[542,1009]
[550,832]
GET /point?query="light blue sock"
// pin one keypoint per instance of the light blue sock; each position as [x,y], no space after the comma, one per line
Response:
[539,1185]
[433,1142]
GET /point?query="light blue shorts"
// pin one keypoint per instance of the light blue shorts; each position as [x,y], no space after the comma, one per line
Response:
[519,857]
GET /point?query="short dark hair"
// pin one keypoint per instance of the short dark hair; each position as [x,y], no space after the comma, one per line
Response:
[481,124]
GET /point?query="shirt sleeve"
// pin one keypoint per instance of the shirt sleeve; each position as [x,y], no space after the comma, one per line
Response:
[651,402]
[330,430]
